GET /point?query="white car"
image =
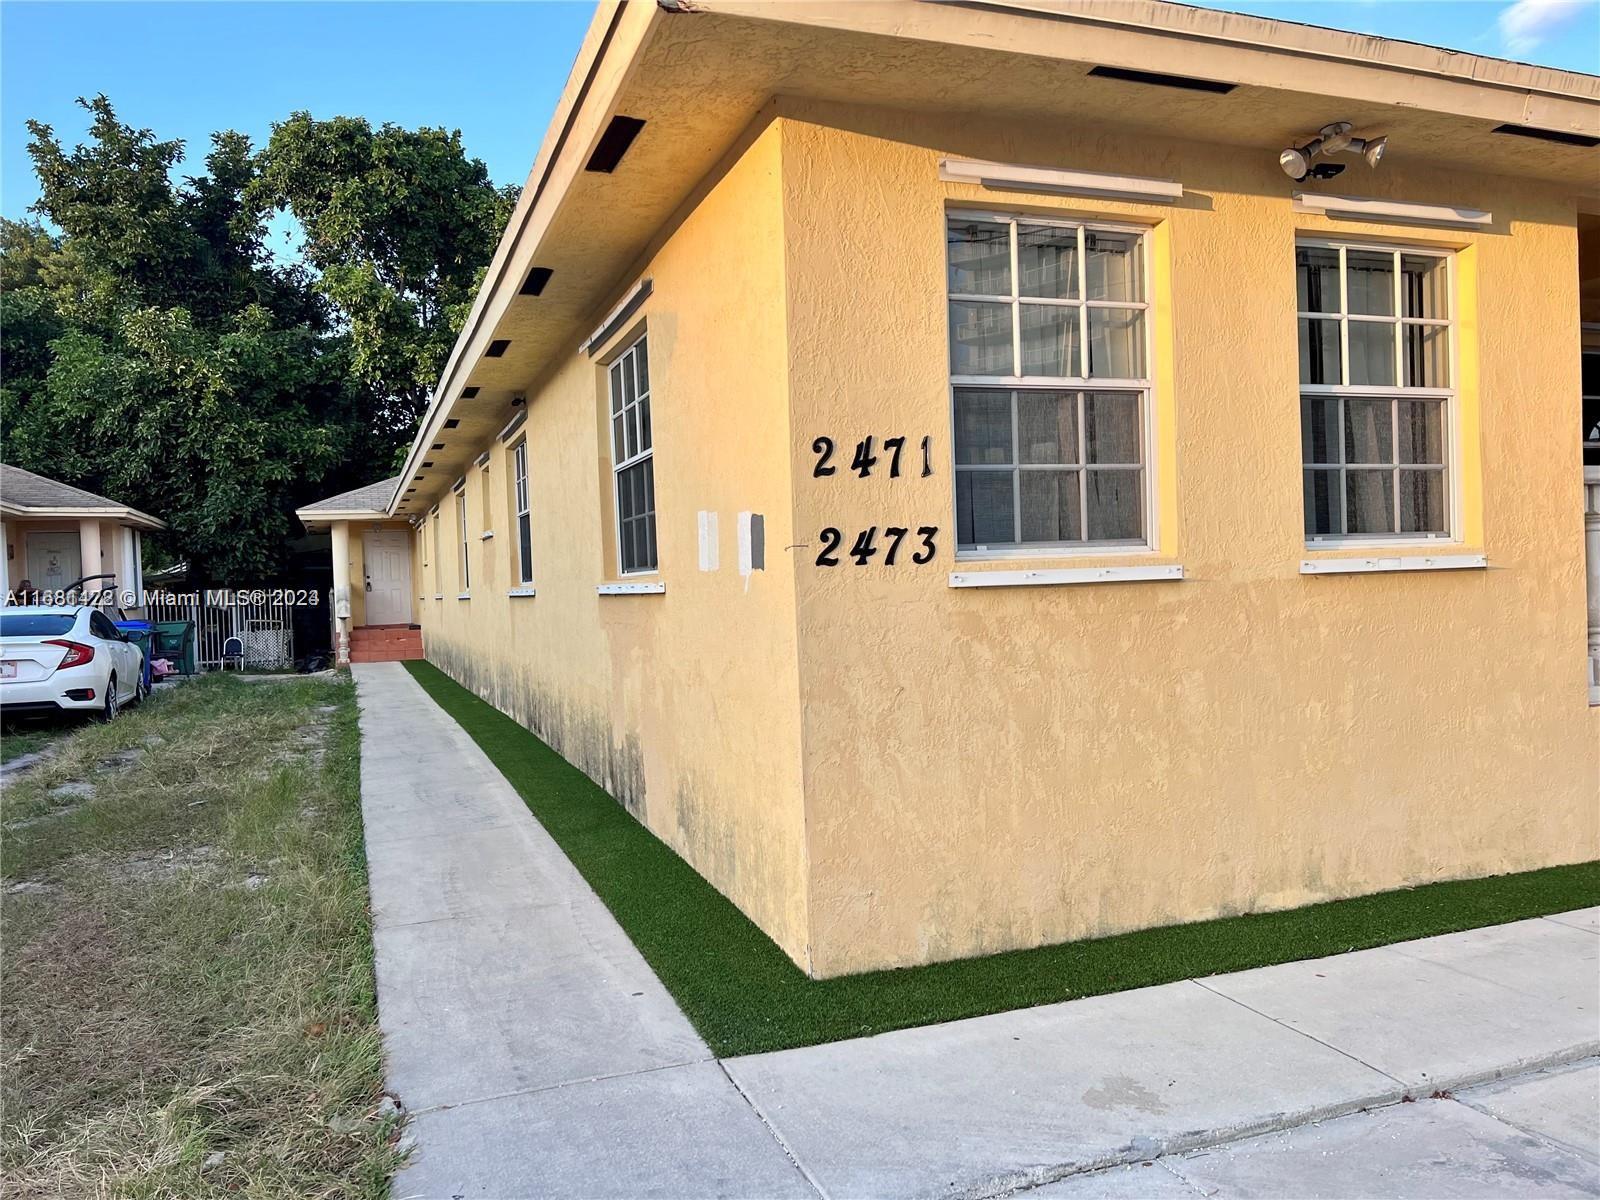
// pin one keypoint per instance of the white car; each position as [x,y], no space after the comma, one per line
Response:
[66,659]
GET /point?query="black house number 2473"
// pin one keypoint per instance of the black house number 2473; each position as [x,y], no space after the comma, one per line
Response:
[866,546]
[865,459]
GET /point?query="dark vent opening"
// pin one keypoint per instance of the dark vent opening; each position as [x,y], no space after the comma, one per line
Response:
[497,347]
[438,445]
[1549,135]
[614,143]
[469,393]
[1156,79]
[426,464]
[536,280]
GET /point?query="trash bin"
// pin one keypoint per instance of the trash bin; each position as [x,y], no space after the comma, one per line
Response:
[142,634]
[174,640]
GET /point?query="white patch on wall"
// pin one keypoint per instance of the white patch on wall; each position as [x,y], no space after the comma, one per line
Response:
[710,542]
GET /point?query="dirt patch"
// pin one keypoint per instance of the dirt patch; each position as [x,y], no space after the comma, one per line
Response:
[33,887]
[122,759]
[158,866]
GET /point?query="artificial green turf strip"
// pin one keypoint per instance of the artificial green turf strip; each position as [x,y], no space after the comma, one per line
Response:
[744,995]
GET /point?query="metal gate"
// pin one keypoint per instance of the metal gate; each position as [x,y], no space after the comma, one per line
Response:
[266,629]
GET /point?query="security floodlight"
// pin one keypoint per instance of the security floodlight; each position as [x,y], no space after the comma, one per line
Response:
[1335,137]
[1370,149]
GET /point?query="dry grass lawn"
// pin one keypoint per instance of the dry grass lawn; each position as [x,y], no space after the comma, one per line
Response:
[186,979]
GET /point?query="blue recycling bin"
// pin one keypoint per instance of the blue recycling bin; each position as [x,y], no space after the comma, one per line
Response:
[142,633]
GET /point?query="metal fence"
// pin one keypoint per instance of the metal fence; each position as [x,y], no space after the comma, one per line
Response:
[266,628]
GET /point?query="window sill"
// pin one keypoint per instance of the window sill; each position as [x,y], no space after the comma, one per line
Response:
[1063,553]
[439,596]
[630,589]
[1400,562]
[486,535]
[1066,575]
[463,595]
[522,591]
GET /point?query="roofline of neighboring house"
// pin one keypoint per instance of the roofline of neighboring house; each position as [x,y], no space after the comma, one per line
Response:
[311,518]
[1515,93]
[121,514]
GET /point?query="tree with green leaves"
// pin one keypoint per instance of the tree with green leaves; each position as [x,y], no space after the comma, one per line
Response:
[156,351]
[399,227]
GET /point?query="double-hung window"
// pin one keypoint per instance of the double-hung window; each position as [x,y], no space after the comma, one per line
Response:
[632,459]
[520,511]
[1376,390]
[461,511]
[1050,382]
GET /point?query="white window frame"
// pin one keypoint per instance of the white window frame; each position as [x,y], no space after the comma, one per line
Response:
[619,465]
[1144,388]
[521,510]
[438,554]
[1448,396]
[466,564]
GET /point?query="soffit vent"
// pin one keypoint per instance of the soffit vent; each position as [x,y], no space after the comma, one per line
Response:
[1560,136]
[1157,79]
[613,144]
[534,283]
[497,347]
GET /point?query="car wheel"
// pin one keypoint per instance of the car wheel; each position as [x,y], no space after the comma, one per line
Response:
[113,705]
[142,692]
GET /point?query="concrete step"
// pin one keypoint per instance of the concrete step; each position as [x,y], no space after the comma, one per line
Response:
[386,654]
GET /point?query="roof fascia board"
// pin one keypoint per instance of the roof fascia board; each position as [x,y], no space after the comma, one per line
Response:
[128,516]
[1257,51]
[617,35]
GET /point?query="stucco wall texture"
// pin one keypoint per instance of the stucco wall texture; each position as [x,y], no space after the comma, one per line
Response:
[1000,767]
[684,705]
[883,770]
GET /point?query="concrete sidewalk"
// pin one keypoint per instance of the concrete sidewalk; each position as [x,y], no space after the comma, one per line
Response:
[534,1050]
[539,1056]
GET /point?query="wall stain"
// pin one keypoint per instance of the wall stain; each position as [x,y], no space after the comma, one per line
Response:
[581,734]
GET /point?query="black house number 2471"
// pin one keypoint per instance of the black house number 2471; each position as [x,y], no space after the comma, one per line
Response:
[865,459]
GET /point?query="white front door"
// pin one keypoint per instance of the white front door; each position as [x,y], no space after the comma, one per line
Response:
[54,560]
[388,564]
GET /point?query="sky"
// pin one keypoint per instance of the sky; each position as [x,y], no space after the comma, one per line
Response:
[491,69]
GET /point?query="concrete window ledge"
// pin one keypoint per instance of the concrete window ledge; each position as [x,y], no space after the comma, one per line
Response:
[1401,562]
[438,596]
[486,535]
[463,595]
[1065,575]
[522,591]
[630,589]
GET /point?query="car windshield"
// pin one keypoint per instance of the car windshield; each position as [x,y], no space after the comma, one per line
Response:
[36,624]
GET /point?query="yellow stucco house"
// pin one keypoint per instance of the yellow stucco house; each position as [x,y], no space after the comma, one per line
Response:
[977,475]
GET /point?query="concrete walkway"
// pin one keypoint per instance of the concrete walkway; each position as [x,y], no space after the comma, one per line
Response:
[535,1051]
[539,1056]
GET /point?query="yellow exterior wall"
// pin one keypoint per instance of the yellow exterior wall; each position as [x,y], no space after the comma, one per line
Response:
[1000,767]
[684,705]
[883,770]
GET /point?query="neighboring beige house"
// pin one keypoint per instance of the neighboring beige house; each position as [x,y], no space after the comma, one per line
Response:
[55,534]
[975,475]
[372,622]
